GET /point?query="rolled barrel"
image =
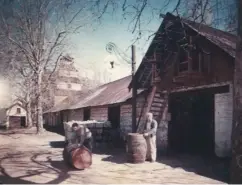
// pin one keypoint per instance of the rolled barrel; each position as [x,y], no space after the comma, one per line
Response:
[136,148]
[78,157]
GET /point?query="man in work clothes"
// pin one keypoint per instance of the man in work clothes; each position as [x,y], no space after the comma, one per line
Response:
[150,136]
[81,136]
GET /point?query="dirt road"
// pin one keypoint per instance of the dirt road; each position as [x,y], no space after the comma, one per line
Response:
[26,158]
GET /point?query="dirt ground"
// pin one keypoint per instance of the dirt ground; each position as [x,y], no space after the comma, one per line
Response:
[26,158]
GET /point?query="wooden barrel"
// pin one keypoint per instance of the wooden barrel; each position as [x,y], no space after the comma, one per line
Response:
[78,157]
[136,148]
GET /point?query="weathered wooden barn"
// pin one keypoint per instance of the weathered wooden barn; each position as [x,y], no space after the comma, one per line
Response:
[191,65]
[111,101]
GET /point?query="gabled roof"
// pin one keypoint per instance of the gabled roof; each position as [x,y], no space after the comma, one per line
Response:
[107,94]
[16,103]
[223,40]
[226,41]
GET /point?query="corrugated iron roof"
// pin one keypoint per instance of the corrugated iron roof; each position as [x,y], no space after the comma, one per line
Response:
[110,93]
[67,102]
[222,39]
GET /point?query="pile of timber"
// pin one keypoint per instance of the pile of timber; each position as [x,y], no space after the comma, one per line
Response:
[99,129]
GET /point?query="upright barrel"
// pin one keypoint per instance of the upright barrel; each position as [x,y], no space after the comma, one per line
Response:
[136,148]
[78,157]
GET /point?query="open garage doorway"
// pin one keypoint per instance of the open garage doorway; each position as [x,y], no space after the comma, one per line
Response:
[17,122]
[191,129]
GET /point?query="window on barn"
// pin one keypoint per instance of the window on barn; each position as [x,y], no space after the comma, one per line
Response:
[205,62]
[183,61]
[86,114]
[199,61]
[196,59]
[18,111]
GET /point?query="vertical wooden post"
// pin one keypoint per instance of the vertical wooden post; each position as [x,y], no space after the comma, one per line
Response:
[200,62]
[153,74]
[189,56]
[236,167]
[134,90]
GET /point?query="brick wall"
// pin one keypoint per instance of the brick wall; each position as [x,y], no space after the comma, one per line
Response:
[99,113]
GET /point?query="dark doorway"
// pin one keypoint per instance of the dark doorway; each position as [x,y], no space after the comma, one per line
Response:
[17,122]
[60,126]
[86,114]
[191,129]
[23,121]
[114,116]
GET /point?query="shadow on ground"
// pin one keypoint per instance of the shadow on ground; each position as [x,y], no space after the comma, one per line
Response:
[11,180]
[57,144]
[115,159]
[214,168]
[13,132]
[32,167]
[210,167]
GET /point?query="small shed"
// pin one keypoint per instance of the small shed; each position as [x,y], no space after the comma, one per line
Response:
[16,115]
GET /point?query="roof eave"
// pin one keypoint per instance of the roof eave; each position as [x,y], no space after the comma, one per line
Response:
[152,42]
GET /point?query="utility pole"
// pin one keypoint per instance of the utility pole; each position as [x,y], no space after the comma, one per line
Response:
[134,90]
[111,47]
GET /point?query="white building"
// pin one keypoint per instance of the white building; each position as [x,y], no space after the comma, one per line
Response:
[13,116]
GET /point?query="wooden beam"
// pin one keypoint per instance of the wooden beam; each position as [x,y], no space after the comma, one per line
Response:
[140,77]
[147,78]
[182,89]
[189,56]
[200,62]
[151,98]
[152,73]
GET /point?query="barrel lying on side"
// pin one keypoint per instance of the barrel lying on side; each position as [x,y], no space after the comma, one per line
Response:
[136,148]
[78,157]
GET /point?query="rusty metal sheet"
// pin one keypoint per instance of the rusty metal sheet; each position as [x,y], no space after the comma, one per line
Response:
[110,93]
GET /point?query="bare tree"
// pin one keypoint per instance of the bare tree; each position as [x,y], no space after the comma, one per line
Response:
[39,30]
[141,12]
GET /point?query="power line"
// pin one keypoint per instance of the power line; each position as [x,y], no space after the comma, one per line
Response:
[113,48]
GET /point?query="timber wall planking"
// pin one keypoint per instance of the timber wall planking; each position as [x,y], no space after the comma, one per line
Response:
[223,123]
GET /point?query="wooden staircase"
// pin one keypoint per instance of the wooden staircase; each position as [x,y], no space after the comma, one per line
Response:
[156,104]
